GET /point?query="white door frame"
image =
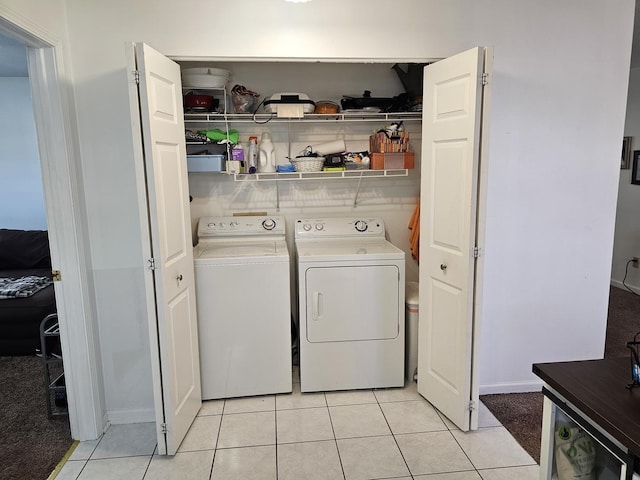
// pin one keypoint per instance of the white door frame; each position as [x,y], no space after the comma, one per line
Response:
[52,104]
[481,217]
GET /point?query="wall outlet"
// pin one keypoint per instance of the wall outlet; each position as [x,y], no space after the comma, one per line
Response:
[634,262]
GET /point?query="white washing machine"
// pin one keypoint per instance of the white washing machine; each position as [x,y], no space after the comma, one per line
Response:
[351,305]
[242,274]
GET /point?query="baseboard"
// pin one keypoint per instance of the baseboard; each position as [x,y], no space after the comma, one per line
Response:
[511,388]
[620,285]
[121,417]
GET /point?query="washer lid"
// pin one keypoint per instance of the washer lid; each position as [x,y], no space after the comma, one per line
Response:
[272,250]
[328,250]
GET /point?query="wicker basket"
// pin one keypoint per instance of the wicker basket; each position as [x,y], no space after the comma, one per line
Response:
[308,164]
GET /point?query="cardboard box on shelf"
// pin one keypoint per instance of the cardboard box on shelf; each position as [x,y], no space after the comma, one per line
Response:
[391,161]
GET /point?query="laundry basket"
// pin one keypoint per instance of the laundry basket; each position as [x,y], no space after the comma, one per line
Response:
[308,164]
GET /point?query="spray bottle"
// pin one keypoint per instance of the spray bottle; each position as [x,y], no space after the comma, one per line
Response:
[252,160]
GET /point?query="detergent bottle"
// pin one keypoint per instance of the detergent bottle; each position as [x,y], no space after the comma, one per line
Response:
[267,155]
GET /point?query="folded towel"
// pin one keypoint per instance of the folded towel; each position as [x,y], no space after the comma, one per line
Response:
[22,287]
[217,135]
[414,236]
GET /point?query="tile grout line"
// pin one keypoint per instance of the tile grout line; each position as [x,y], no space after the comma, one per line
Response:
[335,440]
[395,440]
[63,461]
[86,461]
[275,418]
[215,447]
[146,470]
[464,451]
[443,417]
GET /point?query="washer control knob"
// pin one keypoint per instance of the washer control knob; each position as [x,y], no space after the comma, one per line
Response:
[361,225]
[269,224]
[234,224]
[319,227]
[306,227]
[211,225]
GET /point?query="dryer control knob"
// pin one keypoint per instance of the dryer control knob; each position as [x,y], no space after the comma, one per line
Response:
[361,225]
[306,227]
[269,224]
[319,227]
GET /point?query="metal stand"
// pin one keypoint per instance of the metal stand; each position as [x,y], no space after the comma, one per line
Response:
[52,367]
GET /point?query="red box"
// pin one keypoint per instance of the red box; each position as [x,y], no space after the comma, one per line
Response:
[391,161]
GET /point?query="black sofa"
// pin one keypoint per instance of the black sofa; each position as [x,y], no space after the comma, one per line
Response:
[24,253]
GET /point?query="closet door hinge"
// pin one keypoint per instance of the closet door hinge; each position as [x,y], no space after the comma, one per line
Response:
[152,264]
[163,428]
[471,406]
[485,78]
[56,276]
[476,252]
[136,77]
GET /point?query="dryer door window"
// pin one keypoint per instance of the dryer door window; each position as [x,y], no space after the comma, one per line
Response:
[352,303]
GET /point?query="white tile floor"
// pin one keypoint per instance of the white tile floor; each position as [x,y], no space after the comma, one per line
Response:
[365,434]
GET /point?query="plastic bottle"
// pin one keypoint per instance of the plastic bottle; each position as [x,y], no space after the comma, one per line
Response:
[252,160]
[267,156]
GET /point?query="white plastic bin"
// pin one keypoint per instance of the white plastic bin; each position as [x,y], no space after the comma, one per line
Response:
[412,310]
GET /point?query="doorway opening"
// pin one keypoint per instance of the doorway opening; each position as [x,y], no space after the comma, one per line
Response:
[52,112]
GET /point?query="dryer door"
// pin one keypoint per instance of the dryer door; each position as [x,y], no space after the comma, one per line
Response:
[350,303]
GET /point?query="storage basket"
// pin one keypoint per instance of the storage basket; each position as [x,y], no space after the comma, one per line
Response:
[308,164]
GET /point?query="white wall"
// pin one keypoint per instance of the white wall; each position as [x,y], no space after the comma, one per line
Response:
[43,17]
[627,235]
[559,91]
[21,195]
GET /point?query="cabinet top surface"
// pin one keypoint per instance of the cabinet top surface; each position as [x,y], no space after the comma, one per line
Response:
[598,388]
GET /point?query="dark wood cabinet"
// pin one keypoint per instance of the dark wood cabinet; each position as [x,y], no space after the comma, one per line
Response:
[592,395]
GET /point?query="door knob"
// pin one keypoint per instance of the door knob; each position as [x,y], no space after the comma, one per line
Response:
[443,267]
[179,277]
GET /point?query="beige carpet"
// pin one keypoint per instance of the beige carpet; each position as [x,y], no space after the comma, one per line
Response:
[521,414]
[31,444]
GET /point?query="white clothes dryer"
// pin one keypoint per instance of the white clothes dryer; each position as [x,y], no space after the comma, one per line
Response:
[351,305]
[242,274]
